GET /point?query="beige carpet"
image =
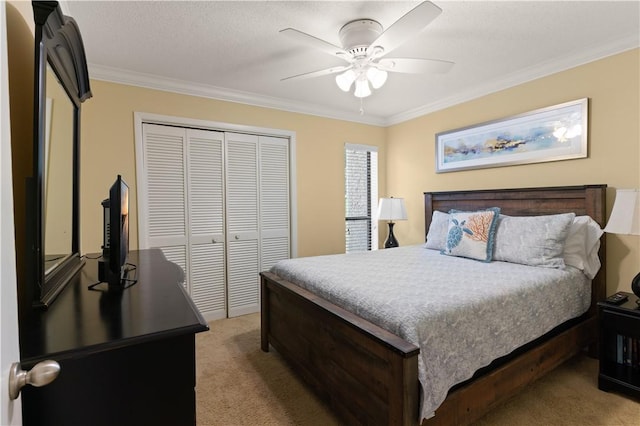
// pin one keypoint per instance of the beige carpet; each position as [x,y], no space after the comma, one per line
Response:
[238,384]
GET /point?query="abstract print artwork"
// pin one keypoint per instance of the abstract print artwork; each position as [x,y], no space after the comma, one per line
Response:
[554,133]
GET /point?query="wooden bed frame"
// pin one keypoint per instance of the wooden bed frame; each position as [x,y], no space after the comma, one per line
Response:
[370,376]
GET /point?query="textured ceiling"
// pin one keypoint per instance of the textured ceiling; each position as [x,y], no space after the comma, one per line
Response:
[234,51]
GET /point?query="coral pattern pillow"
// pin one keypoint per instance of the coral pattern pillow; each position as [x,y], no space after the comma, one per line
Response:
[471,234]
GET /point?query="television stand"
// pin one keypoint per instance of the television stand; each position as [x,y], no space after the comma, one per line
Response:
[115,282]
[126,357]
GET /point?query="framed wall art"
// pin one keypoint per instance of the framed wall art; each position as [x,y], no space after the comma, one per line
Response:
[554,133]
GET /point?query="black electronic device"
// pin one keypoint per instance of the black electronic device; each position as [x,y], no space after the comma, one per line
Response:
[112,268]
[617,299]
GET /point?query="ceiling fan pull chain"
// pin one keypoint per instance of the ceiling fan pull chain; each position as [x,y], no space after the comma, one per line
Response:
[361,107]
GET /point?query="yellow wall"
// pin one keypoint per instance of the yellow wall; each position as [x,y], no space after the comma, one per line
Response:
[613,87]
[20,56]
[108,149]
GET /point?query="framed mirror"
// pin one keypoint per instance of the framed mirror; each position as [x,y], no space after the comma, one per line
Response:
[61,85]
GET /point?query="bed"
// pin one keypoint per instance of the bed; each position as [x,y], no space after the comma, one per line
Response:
[369,375]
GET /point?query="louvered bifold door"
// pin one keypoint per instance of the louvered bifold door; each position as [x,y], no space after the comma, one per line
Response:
[206,208]
[274,201]
[166,223]
[242,223]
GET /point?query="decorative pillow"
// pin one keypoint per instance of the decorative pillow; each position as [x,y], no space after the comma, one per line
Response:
[438,229]
[533,240]
[470,234]
[582,245]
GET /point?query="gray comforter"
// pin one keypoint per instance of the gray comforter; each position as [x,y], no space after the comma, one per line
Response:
[461,313]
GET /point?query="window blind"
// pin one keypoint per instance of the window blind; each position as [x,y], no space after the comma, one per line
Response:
[361,189]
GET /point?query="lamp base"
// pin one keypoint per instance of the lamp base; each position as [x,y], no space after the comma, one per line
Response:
[635,285]
[391,239]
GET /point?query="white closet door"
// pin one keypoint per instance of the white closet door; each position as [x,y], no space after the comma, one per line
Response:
[274,201]
[217,204]
[167,219]
[206,208]
[242,224]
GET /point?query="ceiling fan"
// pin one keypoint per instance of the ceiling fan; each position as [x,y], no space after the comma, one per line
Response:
[364,46]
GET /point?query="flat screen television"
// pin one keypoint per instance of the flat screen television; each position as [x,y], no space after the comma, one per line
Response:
[112,268]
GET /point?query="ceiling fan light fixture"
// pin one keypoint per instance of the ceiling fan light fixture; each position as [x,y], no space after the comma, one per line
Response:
[364,43]
[362,88]
[345,80]
[377,77]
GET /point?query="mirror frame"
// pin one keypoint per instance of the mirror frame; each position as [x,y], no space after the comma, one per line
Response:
[59,44]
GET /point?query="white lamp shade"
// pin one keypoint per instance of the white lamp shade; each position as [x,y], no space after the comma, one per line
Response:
[376,77]
[361,76]
[345,80]
[392,209]
[362,88]
[625,216]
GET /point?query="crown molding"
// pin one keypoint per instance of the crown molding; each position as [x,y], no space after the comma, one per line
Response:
[116,75]
[514,79]
[149,81]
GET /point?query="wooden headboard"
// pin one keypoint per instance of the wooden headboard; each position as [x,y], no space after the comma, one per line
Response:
[581,200]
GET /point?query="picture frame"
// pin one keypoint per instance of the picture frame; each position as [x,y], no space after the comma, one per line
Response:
[554,133]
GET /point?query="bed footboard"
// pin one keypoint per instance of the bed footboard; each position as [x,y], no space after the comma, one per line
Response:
[366,374]
[470,402]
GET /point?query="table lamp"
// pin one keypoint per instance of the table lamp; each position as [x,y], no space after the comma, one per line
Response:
[391,209]
[625,219]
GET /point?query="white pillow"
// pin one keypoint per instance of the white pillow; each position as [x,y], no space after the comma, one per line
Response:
[582,245]
[532,240]
[438,229]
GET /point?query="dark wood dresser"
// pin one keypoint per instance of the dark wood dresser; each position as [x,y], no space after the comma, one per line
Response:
[126,358]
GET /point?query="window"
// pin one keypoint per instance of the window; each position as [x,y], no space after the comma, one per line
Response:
[361,196]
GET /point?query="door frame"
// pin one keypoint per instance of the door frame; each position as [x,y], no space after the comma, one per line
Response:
[10,411]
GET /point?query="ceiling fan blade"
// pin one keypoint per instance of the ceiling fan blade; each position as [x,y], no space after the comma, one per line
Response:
[409,25]
[315,42]
[415,66]
[319,73]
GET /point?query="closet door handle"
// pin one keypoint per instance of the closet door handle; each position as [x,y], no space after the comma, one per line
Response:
[237,237]
[41,374]
[213,240]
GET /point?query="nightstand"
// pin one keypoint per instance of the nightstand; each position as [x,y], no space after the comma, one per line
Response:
[620,347]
